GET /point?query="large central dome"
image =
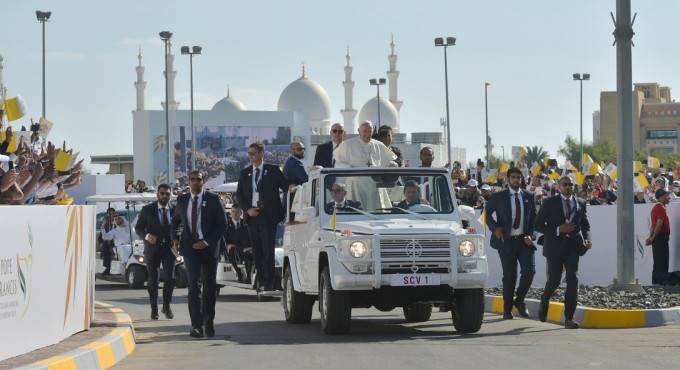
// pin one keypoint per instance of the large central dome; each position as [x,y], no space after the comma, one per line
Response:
[388,113]
[307,96]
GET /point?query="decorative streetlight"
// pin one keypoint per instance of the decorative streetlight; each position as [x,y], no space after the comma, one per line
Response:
[43,17]
[449,41]
[377,82]
[194,50]
[581,78]
[165,36]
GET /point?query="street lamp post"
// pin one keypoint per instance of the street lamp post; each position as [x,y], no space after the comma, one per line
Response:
[43,17]
[377,82]
[165,36]
[194,50]
[580,78]
[449,41]
[503,148]
[486,116]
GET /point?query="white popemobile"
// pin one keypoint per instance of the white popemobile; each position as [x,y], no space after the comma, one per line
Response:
[381,237]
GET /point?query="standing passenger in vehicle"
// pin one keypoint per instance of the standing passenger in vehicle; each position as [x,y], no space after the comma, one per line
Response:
[324,152]
[258,192]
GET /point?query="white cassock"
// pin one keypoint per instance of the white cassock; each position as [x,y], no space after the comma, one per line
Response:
[356,153]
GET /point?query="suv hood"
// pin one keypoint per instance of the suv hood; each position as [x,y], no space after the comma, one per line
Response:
[401,226]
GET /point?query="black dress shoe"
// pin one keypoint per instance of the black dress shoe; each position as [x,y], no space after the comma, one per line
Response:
[508,316]
[196,333]
[106,272]
[571,324]
[543,310]
[167,311]
[209,330]
[521,309]
[154,313]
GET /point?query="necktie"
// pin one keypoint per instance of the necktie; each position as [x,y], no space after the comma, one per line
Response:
[569,210]
[518,212]
[194,218]
[165,216]
[257,179]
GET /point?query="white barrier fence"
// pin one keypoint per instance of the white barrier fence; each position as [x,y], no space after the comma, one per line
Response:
[46,275]
[598,266]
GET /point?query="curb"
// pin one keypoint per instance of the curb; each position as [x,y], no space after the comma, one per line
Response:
[594,318]
[100,354]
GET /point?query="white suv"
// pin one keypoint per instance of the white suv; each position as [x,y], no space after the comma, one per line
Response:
[381,237]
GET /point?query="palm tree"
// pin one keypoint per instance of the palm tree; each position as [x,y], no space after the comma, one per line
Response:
[535,154]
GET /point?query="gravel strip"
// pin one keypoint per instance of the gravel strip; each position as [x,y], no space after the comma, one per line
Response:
[602,297]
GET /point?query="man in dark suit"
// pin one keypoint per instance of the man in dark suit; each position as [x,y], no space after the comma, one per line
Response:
[563,221]
[258,193]
[237,240]
[324,152]
[294,171]
[510,216]
[154,226]
[200,215]
[338,193]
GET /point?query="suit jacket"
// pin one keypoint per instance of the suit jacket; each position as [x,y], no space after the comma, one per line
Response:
[324,155]
[294,171]
[237,234]
[213,222]
[350,203]
[550,217]
[149,222]
[499,206]
[271,182]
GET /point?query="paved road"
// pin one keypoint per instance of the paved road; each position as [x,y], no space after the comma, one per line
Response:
[253,335]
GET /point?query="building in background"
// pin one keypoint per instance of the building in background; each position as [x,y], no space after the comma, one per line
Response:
[596,126]
[118,164]
[656,118]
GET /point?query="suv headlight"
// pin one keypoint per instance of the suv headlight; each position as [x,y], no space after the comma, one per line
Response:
[467,248]
[358,249]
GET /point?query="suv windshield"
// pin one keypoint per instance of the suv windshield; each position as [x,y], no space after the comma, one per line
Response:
[392,193]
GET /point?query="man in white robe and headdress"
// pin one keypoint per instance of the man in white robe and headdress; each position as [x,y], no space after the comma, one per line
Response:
[363,151]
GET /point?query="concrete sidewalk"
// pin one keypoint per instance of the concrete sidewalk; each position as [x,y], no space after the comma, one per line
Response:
[110,339]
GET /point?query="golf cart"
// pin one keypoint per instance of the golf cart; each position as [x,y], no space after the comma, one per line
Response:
[128,264]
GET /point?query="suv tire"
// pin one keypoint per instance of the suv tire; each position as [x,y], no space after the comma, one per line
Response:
[297,306]
[417,312]
[468,310]
[334,305]
[135,276]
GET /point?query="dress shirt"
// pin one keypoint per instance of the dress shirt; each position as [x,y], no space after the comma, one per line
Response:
[520,230]
[198,213]
[256,193]
[574,206]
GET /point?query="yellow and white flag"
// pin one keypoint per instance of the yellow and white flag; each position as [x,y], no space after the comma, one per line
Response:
[570,167]
[590,167]
[15,108]
[504,167]
[334,219]
[641,181]
[611,171]
[637,166]
[579,178]
[535,169]
[554,175]
[653,162]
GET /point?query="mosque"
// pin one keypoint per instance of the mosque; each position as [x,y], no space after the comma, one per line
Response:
[224,132]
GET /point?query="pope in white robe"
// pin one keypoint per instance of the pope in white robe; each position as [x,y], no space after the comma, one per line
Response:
[362,151]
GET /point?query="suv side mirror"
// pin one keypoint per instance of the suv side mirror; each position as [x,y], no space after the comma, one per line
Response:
[305,214]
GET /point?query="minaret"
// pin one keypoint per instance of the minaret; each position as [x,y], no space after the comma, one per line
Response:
[171,80]
[140,84]
[3,90]
[349,112]
[392,76]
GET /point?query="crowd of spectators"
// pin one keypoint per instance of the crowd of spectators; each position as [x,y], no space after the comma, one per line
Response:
[35,171]
[474,186]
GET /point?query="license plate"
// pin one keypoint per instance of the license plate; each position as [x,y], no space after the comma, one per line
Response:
[415,279]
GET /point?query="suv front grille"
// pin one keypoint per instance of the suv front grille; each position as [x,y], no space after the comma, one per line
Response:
[427,254]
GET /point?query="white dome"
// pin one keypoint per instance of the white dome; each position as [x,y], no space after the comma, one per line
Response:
[228,104]
[388,113]
[307,96]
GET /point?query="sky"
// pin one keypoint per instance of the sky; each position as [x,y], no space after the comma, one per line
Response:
[527,49]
